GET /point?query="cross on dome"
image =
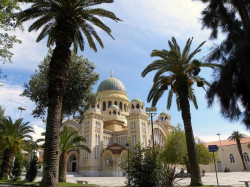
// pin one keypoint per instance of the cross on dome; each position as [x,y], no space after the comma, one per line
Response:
[111,73]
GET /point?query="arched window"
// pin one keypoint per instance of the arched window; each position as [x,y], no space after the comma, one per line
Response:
[133,106]
[125,108]
[246,157]
[109,103]
[231,157]
[104,106]
[119,113]
[137,106]
[120,105]
[114,112]
[115,103]
[109,112]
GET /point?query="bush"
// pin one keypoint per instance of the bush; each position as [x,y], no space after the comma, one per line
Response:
[18,166]
[32,169]
[144,168]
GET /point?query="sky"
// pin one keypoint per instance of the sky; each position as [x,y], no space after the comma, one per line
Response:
[146,25]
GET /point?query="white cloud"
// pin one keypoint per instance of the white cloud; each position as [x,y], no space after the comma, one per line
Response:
[10,99]
[38,131]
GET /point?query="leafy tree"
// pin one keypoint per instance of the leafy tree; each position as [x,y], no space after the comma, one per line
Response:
[78,93]
[237,136]
[175,150]
[8,22]
[141,167]
[179,70]
[144,168]
[18,165]
[68,141]
[14,136]
[231,84]
[32,169]
[63,23]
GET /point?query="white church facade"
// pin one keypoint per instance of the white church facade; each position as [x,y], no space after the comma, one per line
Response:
[109,126]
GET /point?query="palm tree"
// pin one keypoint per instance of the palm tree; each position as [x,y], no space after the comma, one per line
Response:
[237,136]
[231,86]
[68,141]
[63,22]
[179,71]
[14,137]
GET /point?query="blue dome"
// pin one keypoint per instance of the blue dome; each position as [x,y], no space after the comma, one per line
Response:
[111,83]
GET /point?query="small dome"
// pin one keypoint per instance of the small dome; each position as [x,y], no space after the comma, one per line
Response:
[137,100]
[163,113]
[111,83]
[114,107]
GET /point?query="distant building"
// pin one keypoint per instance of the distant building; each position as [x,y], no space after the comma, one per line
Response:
[108,126]
[228,156]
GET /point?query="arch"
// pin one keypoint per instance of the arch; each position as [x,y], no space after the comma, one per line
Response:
[120,105]
[125,107]
[137,106]
[109,103]
[71,123]
[115,103]
[98,105]
[73,161]
[92,105]
[114,112]
[133,107]
[103,106]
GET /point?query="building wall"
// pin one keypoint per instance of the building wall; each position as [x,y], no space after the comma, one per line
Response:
[225,159]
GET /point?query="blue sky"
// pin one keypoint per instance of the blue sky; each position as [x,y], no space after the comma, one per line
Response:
[146,25]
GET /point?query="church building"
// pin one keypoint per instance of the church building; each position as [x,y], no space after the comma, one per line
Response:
[109,125]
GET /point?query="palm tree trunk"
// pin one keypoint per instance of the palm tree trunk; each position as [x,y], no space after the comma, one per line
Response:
[5,169]
[57,80]
[241,154]
[186,117]
[63,167]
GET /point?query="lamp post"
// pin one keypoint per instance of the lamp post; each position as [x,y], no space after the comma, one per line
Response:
[21,109]
[151,111]
[127,147]
[222,155]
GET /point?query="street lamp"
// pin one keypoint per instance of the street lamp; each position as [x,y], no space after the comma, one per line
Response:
[151,111]
[21,109]
[222,155]
[127,147]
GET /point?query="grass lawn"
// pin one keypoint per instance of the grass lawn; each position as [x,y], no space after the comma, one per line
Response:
[25,183]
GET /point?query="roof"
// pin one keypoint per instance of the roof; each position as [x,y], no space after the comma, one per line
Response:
[228,142]
[111,83]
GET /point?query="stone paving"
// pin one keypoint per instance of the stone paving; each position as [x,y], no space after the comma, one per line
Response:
[231,178]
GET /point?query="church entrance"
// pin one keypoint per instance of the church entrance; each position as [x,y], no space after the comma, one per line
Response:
[73,166]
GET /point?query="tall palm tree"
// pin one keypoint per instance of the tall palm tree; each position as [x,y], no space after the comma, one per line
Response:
[69,140]
[178,70]
[14,137]
[63,22]
[237,136]
[231,86]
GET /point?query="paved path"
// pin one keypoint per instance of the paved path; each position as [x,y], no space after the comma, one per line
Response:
[232,178]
